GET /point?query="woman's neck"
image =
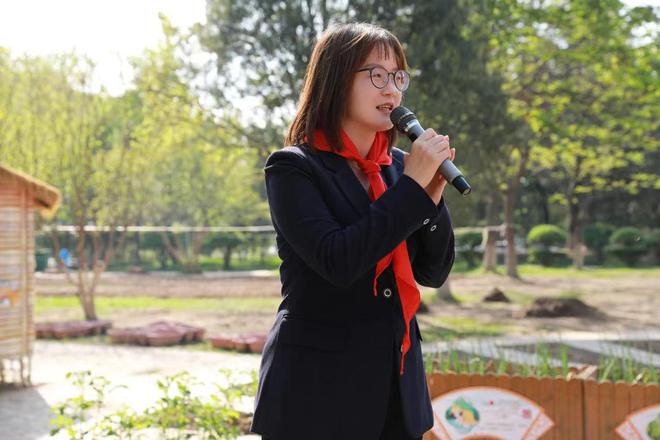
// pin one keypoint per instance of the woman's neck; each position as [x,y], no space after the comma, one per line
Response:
[363,139]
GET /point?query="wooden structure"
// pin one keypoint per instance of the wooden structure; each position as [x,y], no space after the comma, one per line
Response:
[20,197]
[580,409]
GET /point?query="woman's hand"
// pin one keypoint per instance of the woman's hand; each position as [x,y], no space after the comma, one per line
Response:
[427,153]
[436,184]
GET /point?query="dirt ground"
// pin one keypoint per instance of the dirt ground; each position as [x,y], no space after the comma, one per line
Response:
[626,302]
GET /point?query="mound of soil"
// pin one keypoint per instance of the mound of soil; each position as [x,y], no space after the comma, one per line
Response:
[496,295]
[558,307]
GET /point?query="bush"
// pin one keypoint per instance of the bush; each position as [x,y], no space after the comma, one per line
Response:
[467,241]
[547,235]
[548,257]
[596,237]
[627,237]
[545,243]
[628,245]
[653,243]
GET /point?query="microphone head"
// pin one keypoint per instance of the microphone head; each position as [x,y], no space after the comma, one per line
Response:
[400,117]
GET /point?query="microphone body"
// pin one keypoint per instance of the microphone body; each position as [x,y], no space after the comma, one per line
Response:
[406,122]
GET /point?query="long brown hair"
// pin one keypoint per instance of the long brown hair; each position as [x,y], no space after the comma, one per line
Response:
[338,53]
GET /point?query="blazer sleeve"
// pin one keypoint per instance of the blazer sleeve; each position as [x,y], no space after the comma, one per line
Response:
[435,249]
[431,247]
[339,253]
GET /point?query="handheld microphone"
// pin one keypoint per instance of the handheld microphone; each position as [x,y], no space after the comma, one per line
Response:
[406,122]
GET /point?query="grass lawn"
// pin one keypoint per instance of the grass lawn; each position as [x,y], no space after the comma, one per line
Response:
[568,272]
[108,306]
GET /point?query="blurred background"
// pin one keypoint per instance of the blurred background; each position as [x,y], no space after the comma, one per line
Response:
[154,119]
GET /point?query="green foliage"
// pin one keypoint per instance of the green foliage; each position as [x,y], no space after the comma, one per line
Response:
[627,237]
[544,241]
[466,242]
[177,414]
[653,429]
[596,237]
[610,368]
[547,235]
[653,241]
[628,245]
[468,238]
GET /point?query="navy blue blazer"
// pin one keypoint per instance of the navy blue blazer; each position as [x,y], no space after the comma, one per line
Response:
[328,361]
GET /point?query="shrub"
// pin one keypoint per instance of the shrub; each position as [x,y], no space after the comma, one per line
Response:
[653,243]
[628,245]
[545,242]
[467,242]
[596,237]
[547,235]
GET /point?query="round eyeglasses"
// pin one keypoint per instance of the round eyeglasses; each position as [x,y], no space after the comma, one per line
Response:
[380,77]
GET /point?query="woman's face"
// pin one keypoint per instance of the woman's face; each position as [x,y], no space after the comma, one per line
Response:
[368,107]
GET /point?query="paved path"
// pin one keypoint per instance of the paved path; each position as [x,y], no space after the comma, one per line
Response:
[24,413]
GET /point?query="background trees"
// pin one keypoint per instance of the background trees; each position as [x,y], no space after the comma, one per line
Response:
[552,106]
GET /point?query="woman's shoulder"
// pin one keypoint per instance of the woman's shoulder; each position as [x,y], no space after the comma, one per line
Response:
[293,154]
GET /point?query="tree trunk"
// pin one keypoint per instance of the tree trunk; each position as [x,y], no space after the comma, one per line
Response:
[575,238]
[509,210]
[137,261]
[490,234]
[510,235]
[226,257]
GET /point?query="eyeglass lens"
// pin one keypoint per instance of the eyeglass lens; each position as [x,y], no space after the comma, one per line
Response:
[380,77]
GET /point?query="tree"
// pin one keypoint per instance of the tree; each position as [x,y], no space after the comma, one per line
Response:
[596,112]
[200,175]
[58,129]
[261,50]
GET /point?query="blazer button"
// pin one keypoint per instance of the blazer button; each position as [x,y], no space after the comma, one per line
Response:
[387,292]
[434,227]
[426,222]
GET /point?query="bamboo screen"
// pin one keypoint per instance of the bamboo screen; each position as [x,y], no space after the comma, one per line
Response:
[16,274]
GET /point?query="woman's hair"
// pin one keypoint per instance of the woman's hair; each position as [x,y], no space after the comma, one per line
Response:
[338,53]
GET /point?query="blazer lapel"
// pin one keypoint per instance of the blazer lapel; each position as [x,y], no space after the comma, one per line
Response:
[347,182]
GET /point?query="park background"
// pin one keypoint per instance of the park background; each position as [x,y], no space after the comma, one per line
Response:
[552,106]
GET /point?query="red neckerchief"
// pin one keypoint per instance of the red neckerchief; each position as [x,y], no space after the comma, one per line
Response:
[378,155]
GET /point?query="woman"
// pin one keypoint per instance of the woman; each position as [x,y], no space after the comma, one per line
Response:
[357,223]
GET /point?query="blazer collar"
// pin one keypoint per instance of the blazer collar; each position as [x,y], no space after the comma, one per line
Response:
[348,182]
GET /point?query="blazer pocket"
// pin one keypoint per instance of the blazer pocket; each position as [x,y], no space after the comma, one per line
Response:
[306,333]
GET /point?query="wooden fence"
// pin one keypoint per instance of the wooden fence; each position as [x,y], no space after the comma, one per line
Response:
[580,409]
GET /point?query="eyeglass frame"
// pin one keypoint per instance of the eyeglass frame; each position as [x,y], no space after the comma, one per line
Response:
[370,70]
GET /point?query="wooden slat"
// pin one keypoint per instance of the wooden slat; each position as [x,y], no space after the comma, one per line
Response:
[546,398]
[606,424]
[575,415]
[651,395]
[591,410]
[637,397]
[621,402]
[462,381]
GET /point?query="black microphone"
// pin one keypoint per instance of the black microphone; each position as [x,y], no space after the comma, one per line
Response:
[406,122]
